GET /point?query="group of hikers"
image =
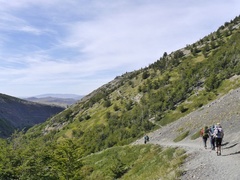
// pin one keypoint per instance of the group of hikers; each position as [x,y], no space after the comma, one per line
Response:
[215,133]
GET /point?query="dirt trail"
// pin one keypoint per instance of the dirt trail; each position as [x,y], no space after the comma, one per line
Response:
[204,163]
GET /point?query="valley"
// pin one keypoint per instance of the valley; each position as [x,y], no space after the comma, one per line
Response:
[101,135]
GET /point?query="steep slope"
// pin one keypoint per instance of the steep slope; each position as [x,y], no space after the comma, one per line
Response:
[203,162]
[162,95]
[167,90]
[18,114]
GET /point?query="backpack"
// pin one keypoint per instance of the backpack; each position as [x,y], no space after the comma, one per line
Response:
[219,133]
[146,138]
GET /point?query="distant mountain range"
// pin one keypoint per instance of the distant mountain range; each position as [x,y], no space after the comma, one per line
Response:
[63,100]
[63,96]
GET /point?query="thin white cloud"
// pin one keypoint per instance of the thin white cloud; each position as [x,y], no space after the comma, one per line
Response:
[76,46]
[30,29]
[10,23]
[23,4]
[145,29]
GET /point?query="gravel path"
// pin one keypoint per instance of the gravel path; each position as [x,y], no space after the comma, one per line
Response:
[204,163]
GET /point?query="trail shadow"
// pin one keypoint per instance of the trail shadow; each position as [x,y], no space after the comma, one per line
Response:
[235,153]
[230,146]
[224,144]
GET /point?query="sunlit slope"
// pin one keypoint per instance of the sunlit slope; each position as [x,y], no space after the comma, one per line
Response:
[137,102]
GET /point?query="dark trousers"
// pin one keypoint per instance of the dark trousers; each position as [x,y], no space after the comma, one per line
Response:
[212,141]
[218,142]
[205,141]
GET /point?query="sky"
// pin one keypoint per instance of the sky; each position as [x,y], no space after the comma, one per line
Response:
[76,46]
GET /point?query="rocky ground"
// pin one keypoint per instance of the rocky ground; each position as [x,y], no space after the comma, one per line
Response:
[204,163]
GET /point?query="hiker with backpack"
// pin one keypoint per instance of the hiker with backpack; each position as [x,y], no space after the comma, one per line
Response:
[205,134]
[146,139]
[212,138]
[218,134]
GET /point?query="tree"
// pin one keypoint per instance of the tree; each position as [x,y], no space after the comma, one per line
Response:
[118,168]
[129,105]
[212,82]
[178,54]
[66,159]
[115,107]
[107,103]
[165,54]
[145,75]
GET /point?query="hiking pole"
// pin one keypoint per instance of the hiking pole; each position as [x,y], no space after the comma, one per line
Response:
[221,146]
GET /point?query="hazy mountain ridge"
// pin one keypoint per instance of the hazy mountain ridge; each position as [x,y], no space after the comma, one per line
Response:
[16,113]
[63,96]
[63,100]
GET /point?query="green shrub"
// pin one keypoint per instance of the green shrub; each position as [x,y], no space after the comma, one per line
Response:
[195,135]
[181,136]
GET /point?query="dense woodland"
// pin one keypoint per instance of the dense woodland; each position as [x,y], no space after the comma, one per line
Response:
[100,127]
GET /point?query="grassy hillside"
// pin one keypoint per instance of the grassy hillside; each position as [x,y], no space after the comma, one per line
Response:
[140,101]
[125,109]
[133,162]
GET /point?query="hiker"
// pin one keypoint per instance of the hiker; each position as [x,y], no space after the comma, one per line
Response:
[212,138]
[218,134]
[146,139]
[204,133]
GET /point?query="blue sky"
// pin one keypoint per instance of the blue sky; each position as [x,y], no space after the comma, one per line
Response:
[76,46]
